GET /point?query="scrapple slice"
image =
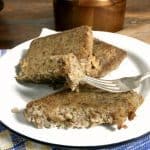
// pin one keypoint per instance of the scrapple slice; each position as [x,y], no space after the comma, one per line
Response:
[83,110]
[109,57]
[34,66]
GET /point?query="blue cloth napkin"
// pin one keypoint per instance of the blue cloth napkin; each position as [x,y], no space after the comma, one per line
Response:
[13,141]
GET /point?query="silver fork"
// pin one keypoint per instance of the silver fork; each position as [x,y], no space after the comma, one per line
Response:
[118,85]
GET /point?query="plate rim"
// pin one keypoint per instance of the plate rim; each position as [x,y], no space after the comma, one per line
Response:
[60,144]
[69,146]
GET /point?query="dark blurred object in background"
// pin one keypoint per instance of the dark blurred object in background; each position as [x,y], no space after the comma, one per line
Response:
[1,5]
[105,15]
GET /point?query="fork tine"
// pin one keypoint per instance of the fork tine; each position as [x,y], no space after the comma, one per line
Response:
[108,81]
[108,84]
[103,83]
[98,84]
[106,88]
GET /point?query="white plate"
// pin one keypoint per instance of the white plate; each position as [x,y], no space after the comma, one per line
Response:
[15,95]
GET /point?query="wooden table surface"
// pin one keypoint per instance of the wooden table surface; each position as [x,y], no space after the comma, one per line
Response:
[21,20]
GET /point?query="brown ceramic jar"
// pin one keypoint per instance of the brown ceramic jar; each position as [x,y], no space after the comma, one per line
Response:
[105,15]
[1,5]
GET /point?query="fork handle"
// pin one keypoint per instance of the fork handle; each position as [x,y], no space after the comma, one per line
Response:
[144,76]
